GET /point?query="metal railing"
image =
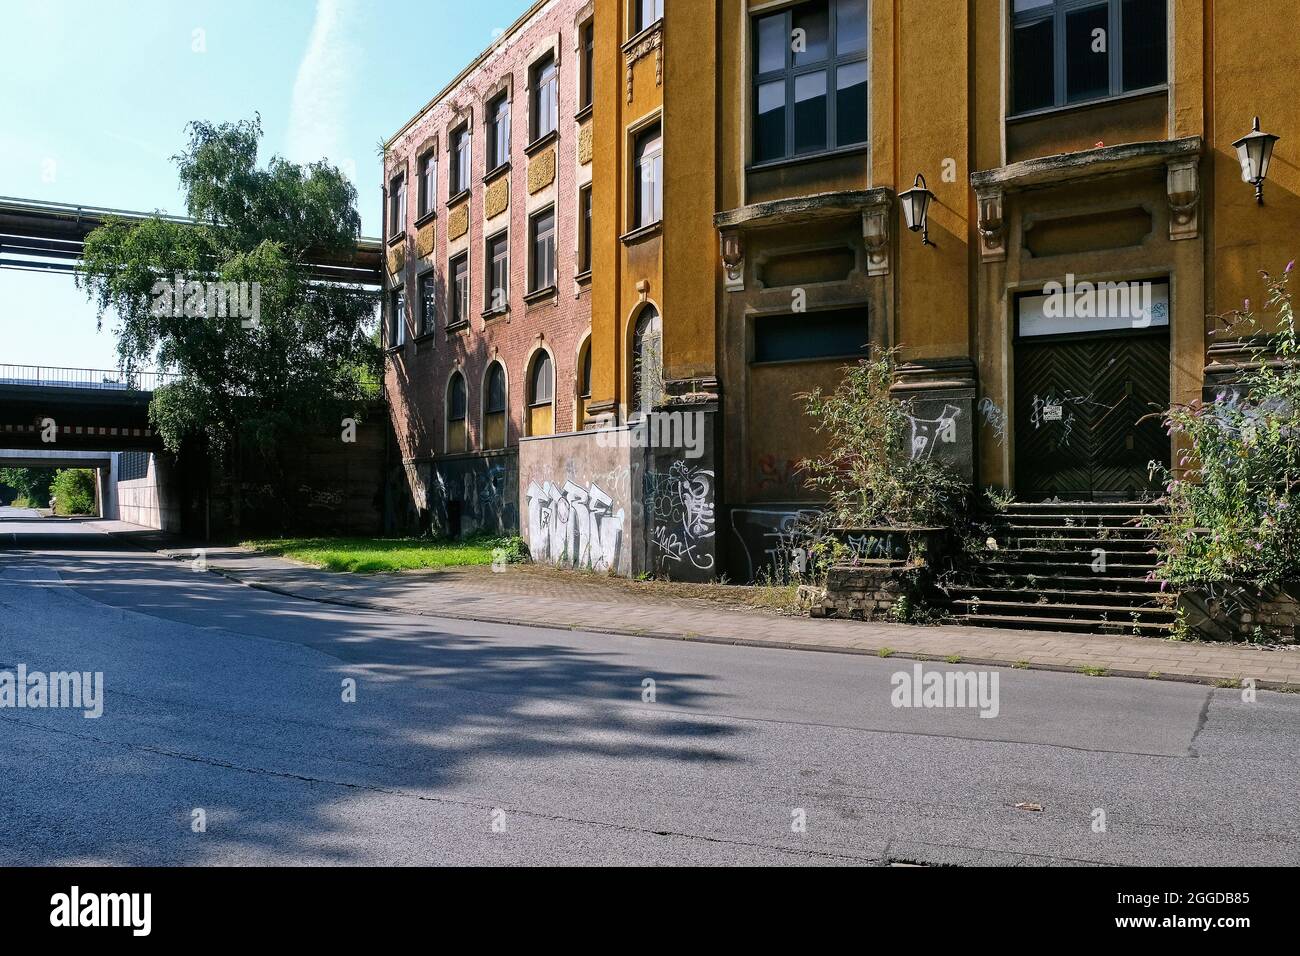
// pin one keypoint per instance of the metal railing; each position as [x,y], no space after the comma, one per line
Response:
[45,376]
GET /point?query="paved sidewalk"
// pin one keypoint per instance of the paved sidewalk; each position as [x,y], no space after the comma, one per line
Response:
[576,601]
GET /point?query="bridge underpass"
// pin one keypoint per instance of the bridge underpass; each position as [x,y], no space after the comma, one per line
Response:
[105,411]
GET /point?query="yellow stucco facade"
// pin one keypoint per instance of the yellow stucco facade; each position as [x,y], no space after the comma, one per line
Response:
[770,269]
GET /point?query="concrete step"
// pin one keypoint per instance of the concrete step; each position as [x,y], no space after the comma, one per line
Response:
[1065,542]
[1067,582]
[1088,612]
[1054,595]
[1063,624]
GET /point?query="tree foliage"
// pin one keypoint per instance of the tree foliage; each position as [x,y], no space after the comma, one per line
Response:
[1234,497]
[74,491]
[33,484]
[867,473]
[263,383]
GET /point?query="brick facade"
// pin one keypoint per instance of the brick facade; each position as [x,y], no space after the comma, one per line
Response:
[536,176]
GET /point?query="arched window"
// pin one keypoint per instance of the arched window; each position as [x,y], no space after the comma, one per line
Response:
[494,407]
[647,363]
[457,434]
[541,395]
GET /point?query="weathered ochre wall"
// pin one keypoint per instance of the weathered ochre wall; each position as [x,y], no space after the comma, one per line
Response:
[932,138]
[690,251]
[1254,49]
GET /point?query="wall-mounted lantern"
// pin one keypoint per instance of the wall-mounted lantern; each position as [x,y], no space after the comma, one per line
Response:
[1254,150]
[916,206]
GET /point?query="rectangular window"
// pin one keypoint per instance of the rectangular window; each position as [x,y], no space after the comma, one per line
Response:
[497,293]
[460,173]
[545,97]
[1072,51]
[838,334]
[584,229]
[542,242]
[587,89]
[428,187]
[649,176]
[460,289]
[810,92]
[397,318]
[397,206]
[428,303]
[498,132]
[648,13]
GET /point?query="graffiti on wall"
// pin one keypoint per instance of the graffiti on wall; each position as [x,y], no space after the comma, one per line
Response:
[930,432]
[573,525]
[679,512]
[775,474]
[995,418]
[769,538]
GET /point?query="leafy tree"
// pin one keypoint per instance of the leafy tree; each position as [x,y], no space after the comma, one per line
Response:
[74,491]
[33,484]
[1234,499]
[309,356]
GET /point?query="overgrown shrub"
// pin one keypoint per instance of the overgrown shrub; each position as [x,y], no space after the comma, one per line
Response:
[867,472]
[74,491]
[1234,494]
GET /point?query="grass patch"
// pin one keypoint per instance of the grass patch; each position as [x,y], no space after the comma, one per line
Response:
[1094,671]
[885,652]
[374,555]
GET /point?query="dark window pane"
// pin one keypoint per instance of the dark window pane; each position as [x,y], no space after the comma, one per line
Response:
[584,386]
[851,104]
[769,132]
[772,41]
[1145,59]
[456,399]
[809,112]
[1033,81]
[428,304]
[812,45]
[1087,54]
[496,389]
[850,26]
[838,334]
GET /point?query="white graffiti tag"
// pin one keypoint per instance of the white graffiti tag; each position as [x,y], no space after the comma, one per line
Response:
[573,526]
[680,510]
[928,432]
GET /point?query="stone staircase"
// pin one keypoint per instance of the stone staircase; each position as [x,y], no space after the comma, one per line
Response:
[1068,566]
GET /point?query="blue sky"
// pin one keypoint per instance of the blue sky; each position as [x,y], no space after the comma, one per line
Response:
[95,95]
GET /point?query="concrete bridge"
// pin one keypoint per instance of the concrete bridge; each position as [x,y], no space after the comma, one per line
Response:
[77,409]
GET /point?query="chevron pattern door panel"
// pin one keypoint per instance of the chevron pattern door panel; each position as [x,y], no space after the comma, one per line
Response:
[1078,406]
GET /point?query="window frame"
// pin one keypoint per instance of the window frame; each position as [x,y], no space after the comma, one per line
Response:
[536,89]
[462,133]
[535,286]
[1056,11]
[638,15]
[503,411]
[428,323]
[584,229]
[459,305]
[490,256]
[426,166]
[586,65]
[397,316]
[498,153]
[397,205]
[649,131]
[456,374]
[789,74]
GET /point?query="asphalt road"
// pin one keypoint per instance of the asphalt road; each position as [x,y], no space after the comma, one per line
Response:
[482,744]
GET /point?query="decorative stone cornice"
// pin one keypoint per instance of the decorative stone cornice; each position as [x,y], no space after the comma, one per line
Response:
[1086,164]
[650,40]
